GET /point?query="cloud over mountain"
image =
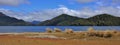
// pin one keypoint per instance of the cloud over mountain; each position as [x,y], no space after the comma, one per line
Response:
[101,6]
[51,13]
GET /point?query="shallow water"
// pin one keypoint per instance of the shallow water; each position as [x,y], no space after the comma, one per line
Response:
[6,29]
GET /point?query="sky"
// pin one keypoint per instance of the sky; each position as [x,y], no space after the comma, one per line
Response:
[41,10]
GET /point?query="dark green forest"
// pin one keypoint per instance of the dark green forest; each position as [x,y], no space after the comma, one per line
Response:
[98,20]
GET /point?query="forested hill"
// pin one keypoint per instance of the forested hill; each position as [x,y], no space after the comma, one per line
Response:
[98,20]
[64,20]
[11,21]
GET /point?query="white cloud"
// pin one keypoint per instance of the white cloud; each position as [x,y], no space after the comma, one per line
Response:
[51,13]
[85,1]
[101,2]
[18,15]
[13,2]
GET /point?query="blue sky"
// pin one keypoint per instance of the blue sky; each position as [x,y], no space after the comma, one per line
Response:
[40,10]
[48,4]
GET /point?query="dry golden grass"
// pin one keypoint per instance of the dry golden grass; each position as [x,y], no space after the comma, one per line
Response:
[57,30]
[90,34]
[68,31]
[48,30]
[90,29]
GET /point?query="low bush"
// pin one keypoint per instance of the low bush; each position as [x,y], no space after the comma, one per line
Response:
[68,31]
[57,30]
[100,34]
[48,30]
[107,34]
[91,32]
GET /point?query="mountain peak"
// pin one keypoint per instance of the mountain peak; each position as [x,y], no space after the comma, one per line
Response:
[65,16]
[59,19]
[102,16]
[105,15]
[1,14]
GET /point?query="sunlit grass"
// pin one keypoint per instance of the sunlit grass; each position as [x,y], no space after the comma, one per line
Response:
[67,37]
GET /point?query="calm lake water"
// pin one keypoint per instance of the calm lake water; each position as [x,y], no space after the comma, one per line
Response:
[6,29]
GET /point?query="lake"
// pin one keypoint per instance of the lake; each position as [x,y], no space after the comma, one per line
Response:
[8,29]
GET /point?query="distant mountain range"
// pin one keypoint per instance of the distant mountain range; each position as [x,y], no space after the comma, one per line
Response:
[11,21]
[35,22]
[64,20]
[98,20]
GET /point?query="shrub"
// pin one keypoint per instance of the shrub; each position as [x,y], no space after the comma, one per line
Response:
[57,30]
[68,31]
[100,34]
[91,29]
[107,34]
[48,30]
[91,32]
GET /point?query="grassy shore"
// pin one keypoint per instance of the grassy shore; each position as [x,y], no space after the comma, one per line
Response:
[58,37]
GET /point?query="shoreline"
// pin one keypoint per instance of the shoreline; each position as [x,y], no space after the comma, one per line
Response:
[56,38]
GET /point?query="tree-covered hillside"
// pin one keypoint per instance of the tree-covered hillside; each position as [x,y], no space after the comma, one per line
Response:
[98,20]
[63,19]
[11,21]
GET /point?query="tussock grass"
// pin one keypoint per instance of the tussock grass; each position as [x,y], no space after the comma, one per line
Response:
[90,33]
[68,31]
[107,34]
[57,30]
[48,30]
